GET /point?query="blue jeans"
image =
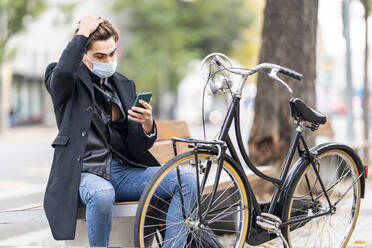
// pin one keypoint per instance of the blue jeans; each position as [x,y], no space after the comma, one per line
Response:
[127,184]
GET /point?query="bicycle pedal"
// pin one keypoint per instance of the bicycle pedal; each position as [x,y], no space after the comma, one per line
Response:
[268,222]
[271,223]
[272,217]
[266,226]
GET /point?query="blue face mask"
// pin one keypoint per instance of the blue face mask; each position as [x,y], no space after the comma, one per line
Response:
[103,70]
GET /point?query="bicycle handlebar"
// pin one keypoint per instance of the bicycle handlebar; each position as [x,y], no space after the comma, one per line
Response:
[224,62]
[286,71]
[290,73]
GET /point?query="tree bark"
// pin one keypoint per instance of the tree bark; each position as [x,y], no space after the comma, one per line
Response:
[288,39]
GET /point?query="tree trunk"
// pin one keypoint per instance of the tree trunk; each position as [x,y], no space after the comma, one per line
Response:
[288,39]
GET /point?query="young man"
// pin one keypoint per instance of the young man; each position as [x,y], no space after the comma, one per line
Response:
[101,151]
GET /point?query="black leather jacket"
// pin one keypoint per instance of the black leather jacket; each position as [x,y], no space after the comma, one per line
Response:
[104,141]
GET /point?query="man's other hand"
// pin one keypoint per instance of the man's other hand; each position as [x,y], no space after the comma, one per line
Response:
[142,115]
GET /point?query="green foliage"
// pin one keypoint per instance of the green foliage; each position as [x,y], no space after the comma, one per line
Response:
[367,4]
[247,51]
[14,16]
[164,35]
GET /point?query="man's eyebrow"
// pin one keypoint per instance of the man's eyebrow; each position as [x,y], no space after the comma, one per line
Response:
[114,50]
[98,53]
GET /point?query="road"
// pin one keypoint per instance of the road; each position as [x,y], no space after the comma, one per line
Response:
[26,155]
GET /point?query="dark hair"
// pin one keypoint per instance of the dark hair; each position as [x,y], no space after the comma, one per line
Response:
[104,31]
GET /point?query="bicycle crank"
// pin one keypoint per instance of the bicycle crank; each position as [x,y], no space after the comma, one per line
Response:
[271,223]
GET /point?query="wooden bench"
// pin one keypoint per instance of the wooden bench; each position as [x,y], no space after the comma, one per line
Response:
[163,149]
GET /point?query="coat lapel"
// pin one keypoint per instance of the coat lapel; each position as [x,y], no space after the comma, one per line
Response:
[123,89]
[83,74]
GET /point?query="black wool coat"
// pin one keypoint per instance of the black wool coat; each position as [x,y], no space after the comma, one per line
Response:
[70,86]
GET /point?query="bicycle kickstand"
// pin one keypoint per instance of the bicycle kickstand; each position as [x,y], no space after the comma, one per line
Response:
[271,223]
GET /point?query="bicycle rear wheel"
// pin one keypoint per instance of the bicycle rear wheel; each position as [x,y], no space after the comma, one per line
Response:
[340,176]
[229,212]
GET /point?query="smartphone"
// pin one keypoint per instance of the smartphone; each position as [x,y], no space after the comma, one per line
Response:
[145,96]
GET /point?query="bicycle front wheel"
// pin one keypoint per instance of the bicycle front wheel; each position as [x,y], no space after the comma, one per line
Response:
[334,226]
[172,210]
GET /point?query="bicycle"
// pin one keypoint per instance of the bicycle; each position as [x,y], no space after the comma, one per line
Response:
[315,204]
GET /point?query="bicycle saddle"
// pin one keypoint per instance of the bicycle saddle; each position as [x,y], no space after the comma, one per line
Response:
[303,112]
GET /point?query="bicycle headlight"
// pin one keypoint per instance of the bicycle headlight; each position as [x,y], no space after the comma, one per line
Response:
[220,83]
[218,78]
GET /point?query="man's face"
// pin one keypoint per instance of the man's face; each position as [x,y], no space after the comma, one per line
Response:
[101,51]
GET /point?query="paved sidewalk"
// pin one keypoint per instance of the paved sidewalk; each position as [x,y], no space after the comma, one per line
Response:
[38,132]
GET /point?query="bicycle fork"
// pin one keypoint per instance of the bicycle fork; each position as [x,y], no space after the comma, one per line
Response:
[219,158]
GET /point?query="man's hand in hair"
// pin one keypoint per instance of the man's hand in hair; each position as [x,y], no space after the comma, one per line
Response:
[88,24]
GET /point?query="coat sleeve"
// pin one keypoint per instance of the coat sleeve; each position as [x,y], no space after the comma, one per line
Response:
[147,140]
[60,77]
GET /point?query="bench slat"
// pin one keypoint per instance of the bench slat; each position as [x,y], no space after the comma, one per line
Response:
[164,152]
[122,209]
[169,129]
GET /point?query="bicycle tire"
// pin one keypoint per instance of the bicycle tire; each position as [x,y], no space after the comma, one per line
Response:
[235,218]
[341,177]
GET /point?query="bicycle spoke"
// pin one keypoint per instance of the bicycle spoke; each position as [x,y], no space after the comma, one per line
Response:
[339,180]
[216,212]
[167,227]
[161,211]
[336,170]
[224,230]
[224,200]
[217,217]
[192,238]
[176,237]
[227,188]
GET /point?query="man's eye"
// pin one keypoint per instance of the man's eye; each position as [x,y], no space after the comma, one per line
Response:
[99,57]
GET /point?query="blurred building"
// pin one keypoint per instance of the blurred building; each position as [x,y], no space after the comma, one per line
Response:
[25,100]
[331,47]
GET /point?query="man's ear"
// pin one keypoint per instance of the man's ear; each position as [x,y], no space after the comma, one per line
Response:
[85,58]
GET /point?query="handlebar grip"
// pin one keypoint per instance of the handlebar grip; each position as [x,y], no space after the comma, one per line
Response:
[290,73]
